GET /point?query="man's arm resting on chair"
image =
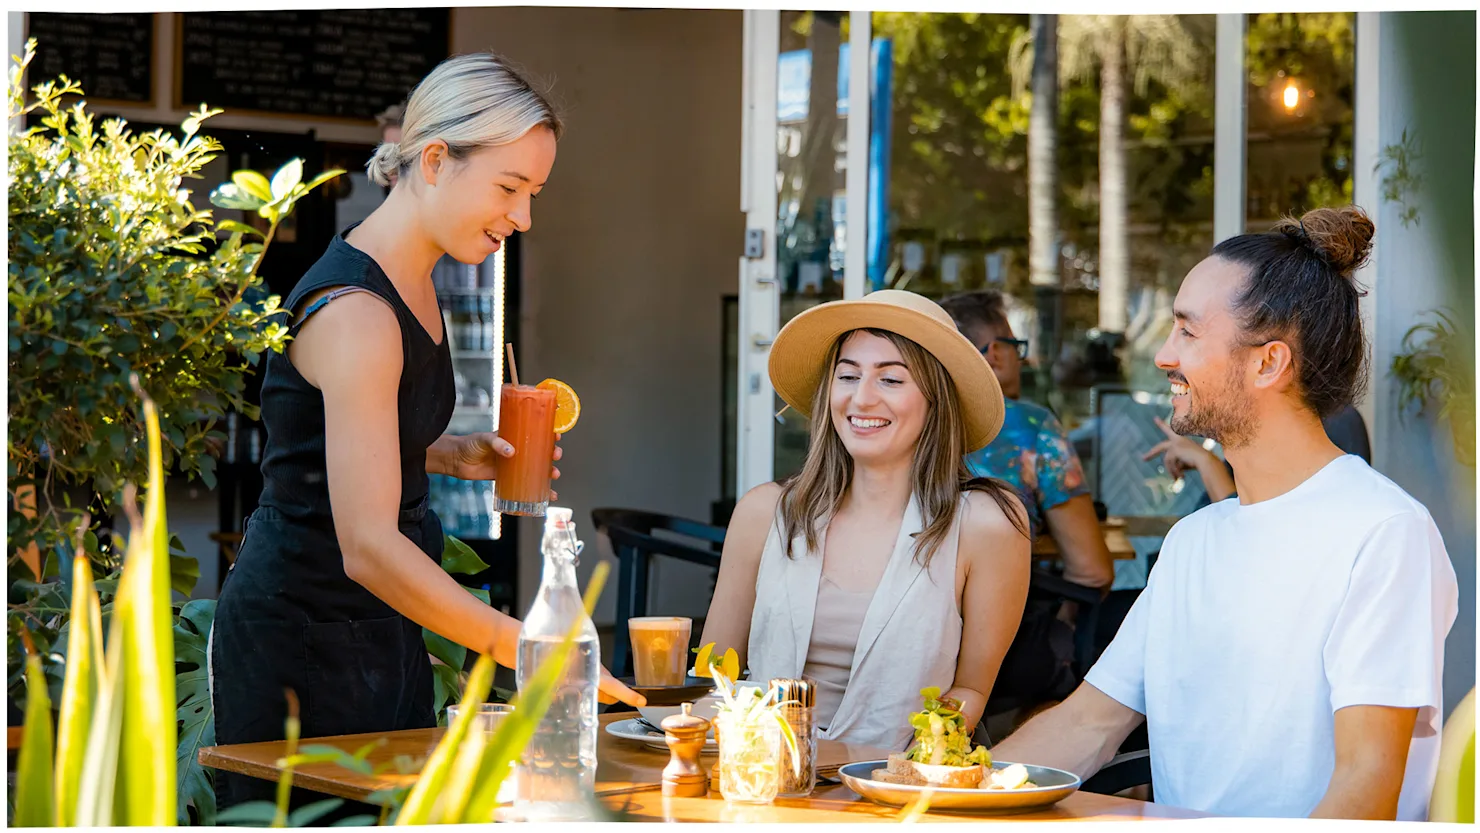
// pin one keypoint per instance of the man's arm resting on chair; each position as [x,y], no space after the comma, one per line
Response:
[1080,734]
[1371,755]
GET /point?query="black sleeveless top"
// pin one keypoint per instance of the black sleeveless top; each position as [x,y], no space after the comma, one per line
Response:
[294,471]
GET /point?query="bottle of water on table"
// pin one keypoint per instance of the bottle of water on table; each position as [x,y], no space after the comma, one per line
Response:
[557,774]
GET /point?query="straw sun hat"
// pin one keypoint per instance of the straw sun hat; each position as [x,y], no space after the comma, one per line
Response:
[799,354]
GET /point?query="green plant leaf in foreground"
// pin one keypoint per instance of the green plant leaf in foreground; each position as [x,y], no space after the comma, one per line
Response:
[149,733]
[461,781]
[80,688]
[420,803]
[34,796]
[530,705]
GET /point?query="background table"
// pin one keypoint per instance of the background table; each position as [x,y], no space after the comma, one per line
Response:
[1117,540]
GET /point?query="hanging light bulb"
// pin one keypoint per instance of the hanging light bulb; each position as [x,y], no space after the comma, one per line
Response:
[1291,96]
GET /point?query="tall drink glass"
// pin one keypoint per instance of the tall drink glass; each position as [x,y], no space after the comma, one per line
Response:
[526,419]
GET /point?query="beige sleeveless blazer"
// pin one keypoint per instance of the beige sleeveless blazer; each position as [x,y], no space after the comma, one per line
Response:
[910,638]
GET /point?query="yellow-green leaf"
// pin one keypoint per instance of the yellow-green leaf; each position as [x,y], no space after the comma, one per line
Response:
[286,179]
[419,804]
[34,798]
[230,195]
[462,778]
[233,227]
[80,689]
[147,754]
[322,178]
[253,183]
[514,733]
[98,794]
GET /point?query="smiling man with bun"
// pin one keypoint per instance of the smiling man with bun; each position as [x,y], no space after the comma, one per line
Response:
[1288,651]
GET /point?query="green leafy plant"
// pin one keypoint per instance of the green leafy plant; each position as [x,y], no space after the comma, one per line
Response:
[115,744]
[196,719]
[448,676]
[1435,366]
[113,273]
[1400,176]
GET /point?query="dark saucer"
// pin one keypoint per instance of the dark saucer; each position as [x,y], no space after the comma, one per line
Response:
[671,695]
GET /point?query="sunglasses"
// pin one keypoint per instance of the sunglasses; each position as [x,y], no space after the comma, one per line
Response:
[1018,344]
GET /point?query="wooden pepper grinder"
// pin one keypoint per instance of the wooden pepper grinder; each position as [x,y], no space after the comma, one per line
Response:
[684,734]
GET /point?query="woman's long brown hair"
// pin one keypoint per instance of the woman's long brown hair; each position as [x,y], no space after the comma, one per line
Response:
[938,475]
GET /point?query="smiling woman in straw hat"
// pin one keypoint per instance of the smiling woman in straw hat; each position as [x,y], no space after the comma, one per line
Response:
[880,568]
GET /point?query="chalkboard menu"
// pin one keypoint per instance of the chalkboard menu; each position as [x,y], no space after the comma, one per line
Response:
[338,63]
[110,55]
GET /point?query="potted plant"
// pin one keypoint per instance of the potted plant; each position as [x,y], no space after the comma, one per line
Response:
[1435,366]
[115,275]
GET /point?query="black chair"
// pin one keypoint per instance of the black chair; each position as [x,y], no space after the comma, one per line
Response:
[1131,769]
[635,542]
[1047,592]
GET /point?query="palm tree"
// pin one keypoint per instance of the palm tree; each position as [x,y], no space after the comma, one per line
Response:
[1043,141]
[1146,48]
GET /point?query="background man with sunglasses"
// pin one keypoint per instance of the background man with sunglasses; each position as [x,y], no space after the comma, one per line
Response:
[1033,453]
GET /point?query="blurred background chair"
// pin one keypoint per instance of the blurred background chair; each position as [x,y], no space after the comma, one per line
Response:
[636,537]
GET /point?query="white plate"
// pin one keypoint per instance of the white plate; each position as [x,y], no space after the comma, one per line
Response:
[1053,786]
[634,731]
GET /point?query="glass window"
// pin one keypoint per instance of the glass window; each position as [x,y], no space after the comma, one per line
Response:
[811,139]
[1301,94]
[1131,210]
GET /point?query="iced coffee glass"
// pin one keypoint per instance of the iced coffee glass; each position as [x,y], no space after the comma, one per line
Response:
[660,649]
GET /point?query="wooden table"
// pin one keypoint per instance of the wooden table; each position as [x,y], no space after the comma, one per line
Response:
[830,803]
[629,780]
[621,766]
[1155,526]
[1117,540]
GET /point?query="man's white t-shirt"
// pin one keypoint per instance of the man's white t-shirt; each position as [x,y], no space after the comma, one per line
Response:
[1259,622]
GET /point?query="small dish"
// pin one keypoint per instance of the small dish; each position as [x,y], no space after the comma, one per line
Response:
[671,695]
[634,731]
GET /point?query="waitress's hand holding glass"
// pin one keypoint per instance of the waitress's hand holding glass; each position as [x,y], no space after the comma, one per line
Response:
[518,457]
[519,460]
[480,456]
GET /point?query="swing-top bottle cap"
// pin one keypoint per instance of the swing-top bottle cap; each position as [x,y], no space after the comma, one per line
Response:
[558,517]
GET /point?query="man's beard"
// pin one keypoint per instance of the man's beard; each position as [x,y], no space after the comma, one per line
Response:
[1223,415]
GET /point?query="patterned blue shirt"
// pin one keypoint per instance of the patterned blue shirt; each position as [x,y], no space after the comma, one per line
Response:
[1033,454]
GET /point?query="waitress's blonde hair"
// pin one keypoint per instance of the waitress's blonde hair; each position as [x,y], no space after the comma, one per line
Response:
[470,102]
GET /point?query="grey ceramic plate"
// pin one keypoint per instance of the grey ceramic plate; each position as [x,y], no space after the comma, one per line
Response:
[1053,786]
[635,731]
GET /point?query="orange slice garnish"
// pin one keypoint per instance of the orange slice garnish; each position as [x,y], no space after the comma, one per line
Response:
[567,404]
[731,666]
[701,663]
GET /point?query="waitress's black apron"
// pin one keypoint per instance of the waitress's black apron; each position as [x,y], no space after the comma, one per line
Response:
[288,617]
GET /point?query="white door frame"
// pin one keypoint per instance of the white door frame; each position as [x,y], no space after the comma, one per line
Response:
[759,302]
[759,312]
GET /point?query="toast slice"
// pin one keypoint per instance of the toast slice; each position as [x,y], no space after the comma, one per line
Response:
[901,770]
